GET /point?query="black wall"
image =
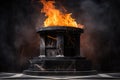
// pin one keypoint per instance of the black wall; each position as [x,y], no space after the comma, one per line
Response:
[19,20]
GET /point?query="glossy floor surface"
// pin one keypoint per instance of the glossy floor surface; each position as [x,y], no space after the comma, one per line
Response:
[21,76]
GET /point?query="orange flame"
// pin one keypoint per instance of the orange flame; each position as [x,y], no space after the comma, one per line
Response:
[55,17]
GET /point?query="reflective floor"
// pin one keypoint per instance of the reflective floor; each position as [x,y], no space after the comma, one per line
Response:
[105,76]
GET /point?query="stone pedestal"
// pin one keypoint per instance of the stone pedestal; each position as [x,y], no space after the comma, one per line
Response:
[60,53]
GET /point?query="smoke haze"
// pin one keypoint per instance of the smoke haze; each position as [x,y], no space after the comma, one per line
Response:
[19,20]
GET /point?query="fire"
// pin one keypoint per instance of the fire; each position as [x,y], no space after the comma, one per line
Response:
[55,17]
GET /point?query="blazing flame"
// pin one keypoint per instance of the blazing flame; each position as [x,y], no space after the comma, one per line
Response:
[57,18]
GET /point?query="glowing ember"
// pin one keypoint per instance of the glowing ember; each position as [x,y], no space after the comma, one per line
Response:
[55,17]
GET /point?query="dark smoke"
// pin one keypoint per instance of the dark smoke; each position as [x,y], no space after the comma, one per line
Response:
[18,38]
[101,33]
[19,20]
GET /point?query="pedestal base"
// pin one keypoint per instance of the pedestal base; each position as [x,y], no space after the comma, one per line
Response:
[60,73]
[60,66]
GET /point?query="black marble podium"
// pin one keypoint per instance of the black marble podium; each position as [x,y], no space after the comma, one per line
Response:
[60,53]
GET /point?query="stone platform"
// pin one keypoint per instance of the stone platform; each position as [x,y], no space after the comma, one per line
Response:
[60,66]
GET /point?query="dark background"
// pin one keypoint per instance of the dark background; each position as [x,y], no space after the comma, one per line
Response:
[19,42]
